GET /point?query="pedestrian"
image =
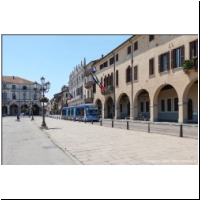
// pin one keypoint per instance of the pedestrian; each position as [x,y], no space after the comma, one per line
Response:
[18,118]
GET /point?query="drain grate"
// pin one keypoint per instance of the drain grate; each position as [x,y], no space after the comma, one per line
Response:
[50,147]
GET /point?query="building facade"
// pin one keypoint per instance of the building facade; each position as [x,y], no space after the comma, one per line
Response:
[76,85]
[145,75]
[18,95]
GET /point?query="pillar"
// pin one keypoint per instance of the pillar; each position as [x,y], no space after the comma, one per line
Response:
[154,113]
[182,112]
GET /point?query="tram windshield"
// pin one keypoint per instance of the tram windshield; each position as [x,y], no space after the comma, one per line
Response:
[92,110]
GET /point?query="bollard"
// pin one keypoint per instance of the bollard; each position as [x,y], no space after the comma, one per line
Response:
[149,127]
[92,121]
[127,125]
[112,123]
[100,122]
[85,121]
[181,130]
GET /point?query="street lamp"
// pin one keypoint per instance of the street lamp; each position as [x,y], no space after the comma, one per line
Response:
[44,88]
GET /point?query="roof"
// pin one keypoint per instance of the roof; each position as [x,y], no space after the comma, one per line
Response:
[16,80]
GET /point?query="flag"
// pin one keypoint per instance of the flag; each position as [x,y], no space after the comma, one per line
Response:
[69,96]
[98,82]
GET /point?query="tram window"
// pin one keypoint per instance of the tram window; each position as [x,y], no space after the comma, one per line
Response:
[63,112]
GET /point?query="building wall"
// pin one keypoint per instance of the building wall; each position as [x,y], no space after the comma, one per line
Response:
[153,84]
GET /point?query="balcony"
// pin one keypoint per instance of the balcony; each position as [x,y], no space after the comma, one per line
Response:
[88,100]
[88,72]
[108,90]
[89,84]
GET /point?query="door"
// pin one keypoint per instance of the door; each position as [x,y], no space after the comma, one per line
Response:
[190,116]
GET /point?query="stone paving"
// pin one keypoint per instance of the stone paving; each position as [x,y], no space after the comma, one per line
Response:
[91,144]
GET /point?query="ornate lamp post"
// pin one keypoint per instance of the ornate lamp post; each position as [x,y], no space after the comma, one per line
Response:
[44,88]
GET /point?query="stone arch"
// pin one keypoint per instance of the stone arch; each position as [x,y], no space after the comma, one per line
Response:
[123,106]
[36,109]
[13,110]
[108,108]
[190,102]
[141,103]
[99,104]
[165,100]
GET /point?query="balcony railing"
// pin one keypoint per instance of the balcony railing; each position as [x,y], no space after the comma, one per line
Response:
[108,89]
[88,100]
[88,72]
[88,84]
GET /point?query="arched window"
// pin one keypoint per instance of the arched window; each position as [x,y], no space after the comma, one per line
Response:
[24,87]
[13,96]
[105,81]
[128,74]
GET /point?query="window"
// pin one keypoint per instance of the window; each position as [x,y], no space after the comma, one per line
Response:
[94,88]
[135,73]
[4,86]
[135,46]
[141,107]
[163,64]
[24,87]
[111,79]
[120,107]
[116,57]
[194,51]
[117,78]
[4,95]
[24,95]
[13,96]
[35,96]
[111,60]
[162,105]
[105,64]
[128,74]
[151,37]
[128,50]
[169,105]
[151,67]
[13,86]
[175,104]
[147,106]
[177,57]
[101,66]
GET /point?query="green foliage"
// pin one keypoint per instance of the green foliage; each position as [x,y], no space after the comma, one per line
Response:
[189,64]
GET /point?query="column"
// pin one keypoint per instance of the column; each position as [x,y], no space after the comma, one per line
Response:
[102,111]
[8,109]
[182,112]
[154,113]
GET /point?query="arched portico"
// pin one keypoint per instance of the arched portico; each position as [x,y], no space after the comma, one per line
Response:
[123,106]
[99,104]
[142,104]
[13,110]
[165,104]
[108,110]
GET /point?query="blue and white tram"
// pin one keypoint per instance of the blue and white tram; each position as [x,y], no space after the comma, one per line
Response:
[83,112]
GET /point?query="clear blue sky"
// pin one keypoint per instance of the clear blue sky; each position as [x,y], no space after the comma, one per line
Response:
[53,56]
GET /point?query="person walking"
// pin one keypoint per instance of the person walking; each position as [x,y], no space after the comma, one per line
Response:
[18,118]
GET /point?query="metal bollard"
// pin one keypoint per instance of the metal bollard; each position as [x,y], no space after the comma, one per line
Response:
[149,127]
[85,121]
[100,122]
[181,130]
[127,125]
[92,121]
[112,123]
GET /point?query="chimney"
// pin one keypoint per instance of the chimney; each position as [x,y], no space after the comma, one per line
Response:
[101,55]
[13,77]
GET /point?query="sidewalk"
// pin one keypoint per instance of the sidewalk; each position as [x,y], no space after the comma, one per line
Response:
[92,144]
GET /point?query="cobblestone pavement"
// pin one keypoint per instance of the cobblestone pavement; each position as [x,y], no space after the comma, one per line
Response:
[91,144]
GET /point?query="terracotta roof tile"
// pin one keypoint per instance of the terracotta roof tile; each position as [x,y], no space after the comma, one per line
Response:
[16,80]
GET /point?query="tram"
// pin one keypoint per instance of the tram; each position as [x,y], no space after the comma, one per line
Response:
[83,112]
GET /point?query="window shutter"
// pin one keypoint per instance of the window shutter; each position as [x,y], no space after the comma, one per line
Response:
[172,59]
[182,55]
[112,78]
[149,63]
[153,66]
[126,75]
[117,78]
[168,63]
[191,49]
[159,63]
[130,73]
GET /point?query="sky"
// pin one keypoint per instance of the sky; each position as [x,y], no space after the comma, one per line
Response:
[53,56]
